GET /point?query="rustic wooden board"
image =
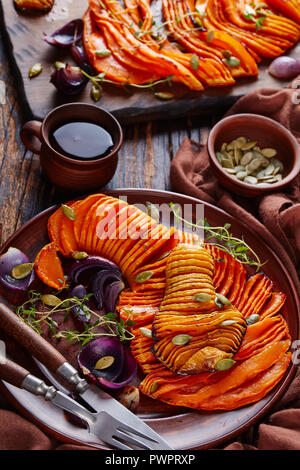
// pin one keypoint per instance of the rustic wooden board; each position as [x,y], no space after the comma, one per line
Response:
[24,33]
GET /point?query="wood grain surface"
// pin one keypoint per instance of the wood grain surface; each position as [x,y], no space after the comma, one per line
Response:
[26,47]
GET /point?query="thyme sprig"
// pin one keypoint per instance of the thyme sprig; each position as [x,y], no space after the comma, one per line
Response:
[236,247]
[114,327]
[36,314]
[252,11]
[98,80]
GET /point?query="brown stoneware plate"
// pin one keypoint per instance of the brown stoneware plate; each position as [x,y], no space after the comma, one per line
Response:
[181,428]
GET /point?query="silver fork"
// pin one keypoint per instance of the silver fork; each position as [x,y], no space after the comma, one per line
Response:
[100,424]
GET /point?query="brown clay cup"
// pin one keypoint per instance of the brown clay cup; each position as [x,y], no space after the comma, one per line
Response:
[68,174]
[267,133]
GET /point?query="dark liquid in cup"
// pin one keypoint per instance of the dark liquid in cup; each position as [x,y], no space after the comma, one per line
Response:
[82,140]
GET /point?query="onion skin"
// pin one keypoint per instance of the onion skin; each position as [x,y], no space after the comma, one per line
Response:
[285,67]
[119,374]
[69,34]
[15,289]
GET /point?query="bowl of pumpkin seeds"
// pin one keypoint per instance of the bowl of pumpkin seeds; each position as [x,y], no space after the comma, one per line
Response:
[252,154]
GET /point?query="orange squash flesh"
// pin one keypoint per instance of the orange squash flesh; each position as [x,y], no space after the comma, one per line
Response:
[49,268]
[94,41]
[83,207]
[181,314]
[67,235]
[203,388]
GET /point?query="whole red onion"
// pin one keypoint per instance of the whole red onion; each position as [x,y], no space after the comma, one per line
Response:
[285,67]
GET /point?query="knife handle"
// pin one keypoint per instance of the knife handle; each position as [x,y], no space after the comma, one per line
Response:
[12,373]
[23,334]
[19,377]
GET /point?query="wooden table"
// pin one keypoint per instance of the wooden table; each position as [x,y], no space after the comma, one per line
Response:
[144,160]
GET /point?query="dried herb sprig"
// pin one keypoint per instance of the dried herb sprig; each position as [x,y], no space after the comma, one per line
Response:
[35,313]
[98,80]
[114,327]
[236,247]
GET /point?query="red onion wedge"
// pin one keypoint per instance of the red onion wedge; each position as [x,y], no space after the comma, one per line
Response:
[69,34]
[15,289]
[106,362]
[103,277]
[69,80]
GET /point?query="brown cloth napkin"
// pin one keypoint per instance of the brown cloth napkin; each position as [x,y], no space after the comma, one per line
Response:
[275,217]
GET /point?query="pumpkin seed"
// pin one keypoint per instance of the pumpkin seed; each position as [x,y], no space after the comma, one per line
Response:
[35,70]
[260,174]
[154,387]
[152,211]
[146,332]
[181,340]
[277,163]
[68,212]
[237,155]
[104,362]
[210,35]
[79,255]
[232,61]
[248,145]
[103,53]
[265,162]
[22,270]
[224,364]
[239,168]
[246,159]
[96,93]
[253,319]
[164,255]
[250,180]
[268,152]
[227,54]
[241,175]
[50,300]
[202,297]
[230,146]
[273,179]
[254,165]
[269,170]
[221,299]
[164,95]
[194,62]
[228,322]
[227,160]
[242,140]
[143,277]
[59,65]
